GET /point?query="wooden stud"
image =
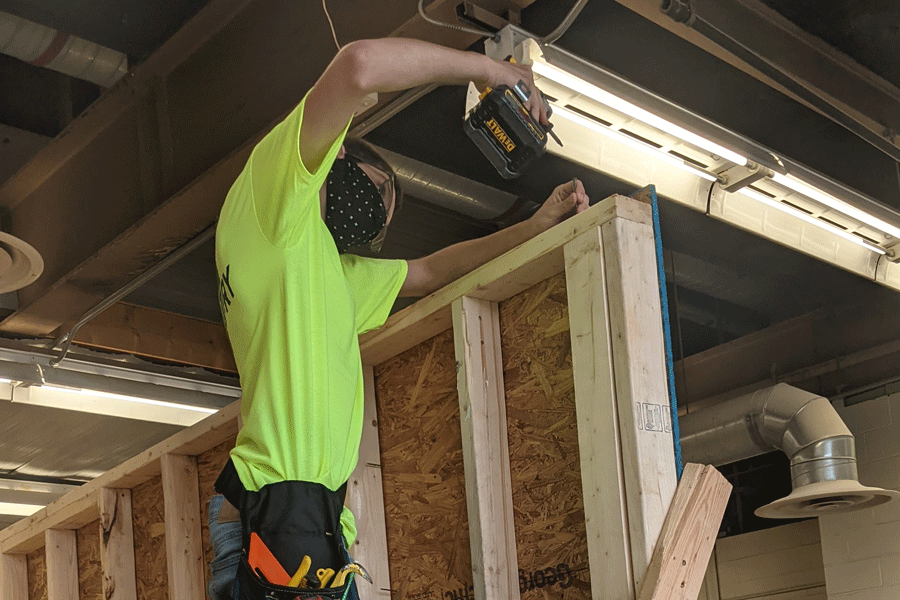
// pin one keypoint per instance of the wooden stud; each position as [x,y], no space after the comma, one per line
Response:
[117,545]
[365,497]
[482,410]
[62,564]
[639,371]
[602,477]
[13,576]
[680,560]
[184,549]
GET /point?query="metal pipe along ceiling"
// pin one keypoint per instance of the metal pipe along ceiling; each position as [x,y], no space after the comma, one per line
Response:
[448,190]
[46,47]
[801,424]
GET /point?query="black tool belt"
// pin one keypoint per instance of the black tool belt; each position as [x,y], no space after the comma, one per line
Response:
[293,519]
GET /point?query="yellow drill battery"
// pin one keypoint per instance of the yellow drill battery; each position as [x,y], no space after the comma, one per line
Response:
[505,131]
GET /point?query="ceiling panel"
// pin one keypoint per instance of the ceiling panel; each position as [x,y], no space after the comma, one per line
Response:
[70,445]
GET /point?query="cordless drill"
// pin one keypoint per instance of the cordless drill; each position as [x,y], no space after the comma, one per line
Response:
[505,131]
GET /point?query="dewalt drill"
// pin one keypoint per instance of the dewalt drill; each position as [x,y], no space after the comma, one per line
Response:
[505,131]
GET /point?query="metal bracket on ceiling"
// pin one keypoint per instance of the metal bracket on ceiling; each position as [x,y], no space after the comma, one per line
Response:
[740,176]
[471,13]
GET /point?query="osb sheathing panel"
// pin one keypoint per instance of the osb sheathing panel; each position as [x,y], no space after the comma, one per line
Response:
[422,470]
[209,465]
[543,444]
[150,541]
[90,573]
[37,575]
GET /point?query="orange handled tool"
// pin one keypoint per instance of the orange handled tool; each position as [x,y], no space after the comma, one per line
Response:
[262,559]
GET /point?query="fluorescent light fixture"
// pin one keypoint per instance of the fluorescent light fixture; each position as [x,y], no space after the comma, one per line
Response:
[629,141]
[830,201]
[19,510]
[576,84]
[114,405]
[809,219]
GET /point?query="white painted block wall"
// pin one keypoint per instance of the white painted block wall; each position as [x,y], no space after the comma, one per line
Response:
[781,563]
[861,550]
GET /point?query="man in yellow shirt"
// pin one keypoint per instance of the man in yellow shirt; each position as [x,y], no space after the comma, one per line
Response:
[294,301]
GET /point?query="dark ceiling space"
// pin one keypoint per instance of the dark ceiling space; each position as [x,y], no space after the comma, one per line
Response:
[868,32]
[135,27]
[740,264]
[728,283]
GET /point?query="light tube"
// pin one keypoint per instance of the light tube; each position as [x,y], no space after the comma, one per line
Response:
[19,510]
[124,398]
[629,141]
[809,219]
[584,88]
[830,201]
[114,405]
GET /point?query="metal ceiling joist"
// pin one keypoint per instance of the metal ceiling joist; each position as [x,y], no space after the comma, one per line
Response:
[758,40]
[827,351]
[114,204]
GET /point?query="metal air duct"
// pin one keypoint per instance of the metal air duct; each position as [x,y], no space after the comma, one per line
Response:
[801,424]
[46,47]
[452,191]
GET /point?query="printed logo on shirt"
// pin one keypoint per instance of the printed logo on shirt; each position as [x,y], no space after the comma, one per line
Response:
[226,293]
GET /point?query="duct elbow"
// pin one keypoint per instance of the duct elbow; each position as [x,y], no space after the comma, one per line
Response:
[804,426]
[792,419]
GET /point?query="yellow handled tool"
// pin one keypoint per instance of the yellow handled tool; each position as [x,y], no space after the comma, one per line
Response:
[302,570]
[324,576]
[357,568]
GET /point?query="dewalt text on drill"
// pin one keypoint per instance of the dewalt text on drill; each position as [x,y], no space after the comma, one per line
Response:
[505,130]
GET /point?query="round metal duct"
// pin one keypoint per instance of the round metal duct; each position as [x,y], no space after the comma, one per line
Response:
[20,263]
[801,424]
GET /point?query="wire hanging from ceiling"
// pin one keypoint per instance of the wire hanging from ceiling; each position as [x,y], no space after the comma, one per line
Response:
[331,24]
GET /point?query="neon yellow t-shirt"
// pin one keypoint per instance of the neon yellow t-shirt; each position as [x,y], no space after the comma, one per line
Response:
[293,308]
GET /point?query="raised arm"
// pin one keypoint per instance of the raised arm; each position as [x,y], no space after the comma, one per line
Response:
[389,65]
[428,274]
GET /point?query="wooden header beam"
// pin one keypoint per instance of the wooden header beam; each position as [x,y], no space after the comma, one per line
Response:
[514,272]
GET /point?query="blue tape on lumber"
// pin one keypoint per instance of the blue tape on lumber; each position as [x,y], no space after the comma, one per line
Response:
[667,332]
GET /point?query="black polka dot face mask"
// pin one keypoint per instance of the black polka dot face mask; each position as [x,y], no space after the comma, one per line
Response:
[354,209]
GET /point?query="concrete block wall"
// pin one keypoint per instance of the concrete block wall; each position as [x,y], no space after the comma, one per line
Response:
[861,550]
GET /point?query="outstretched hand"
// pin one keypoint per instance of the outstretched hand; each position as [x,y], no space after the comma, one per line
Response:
[566,200]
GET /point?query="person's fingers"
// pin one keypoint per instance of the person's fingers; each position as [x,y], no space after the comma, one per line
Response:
[536,105]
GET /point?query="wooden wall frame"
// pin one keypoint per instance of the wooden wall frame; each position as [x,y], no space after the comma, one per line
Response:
[625,437]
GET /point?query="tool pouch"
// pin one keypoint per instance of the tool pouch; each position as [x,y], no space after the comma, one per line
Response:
[293,519]
[252,587]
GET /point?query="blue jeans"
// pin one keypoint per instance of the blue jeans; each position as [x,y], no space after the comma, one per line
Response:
[225,539]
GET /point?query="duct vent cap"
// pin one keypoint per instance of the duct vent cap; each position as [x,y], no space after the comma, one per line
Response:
[825,498]
[20,263]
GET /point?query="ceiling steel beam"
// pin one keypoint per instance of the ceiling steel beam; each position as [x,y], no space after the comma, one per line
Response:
[828,351]
[761,42]
[155,172]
